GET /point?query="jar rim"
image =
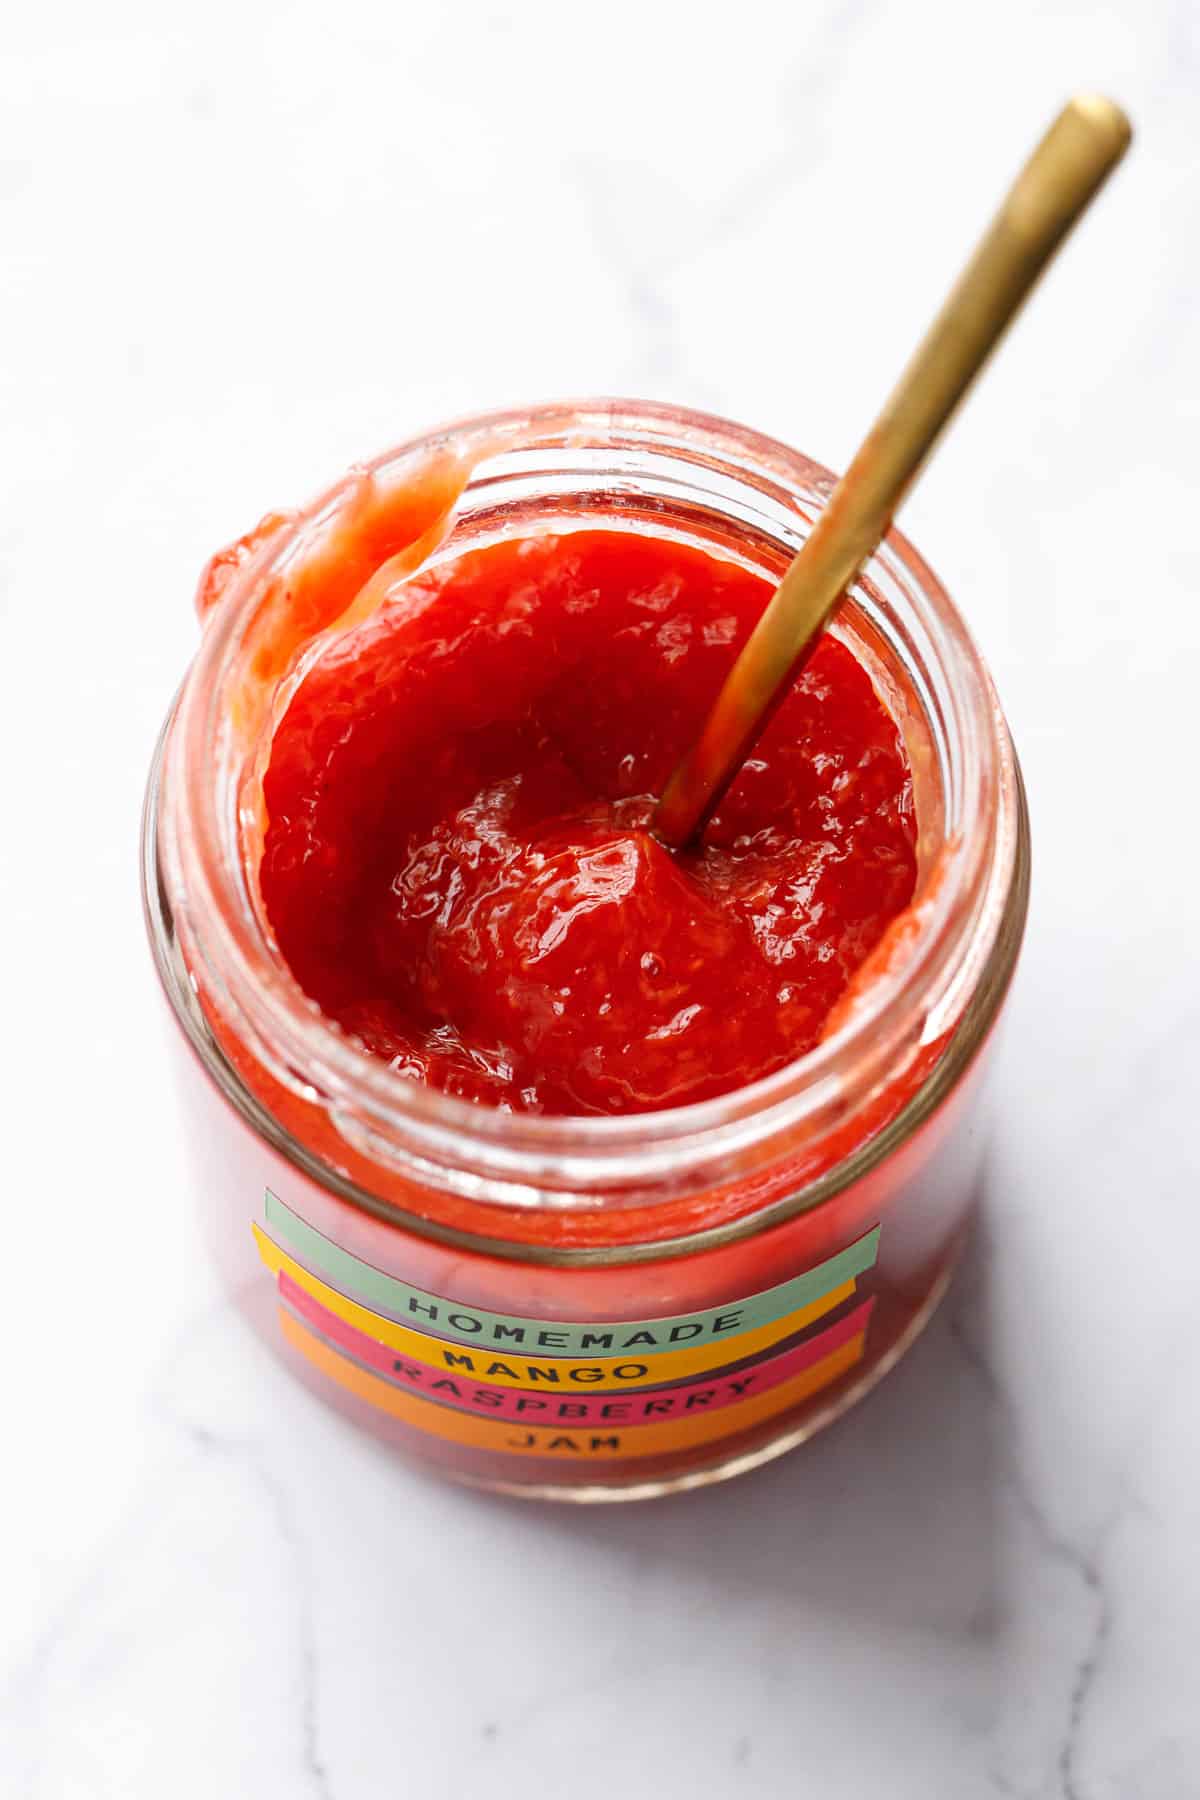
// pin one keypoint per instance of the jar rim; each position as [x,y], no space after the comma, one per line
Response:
[538,1160]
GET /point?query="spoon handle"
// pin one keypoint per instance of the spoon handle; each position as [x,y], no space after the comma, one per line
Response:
[1081,148]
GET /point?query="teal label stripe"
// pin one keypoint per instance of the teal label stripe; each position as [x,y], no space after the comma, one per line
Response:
[556,1337]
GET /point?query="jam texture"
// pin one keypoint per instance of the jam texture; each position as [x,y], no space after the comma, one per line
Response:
[457,864]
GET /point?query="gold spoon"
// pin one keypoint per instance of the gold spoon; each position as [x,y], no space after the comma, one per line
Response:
[1077,154]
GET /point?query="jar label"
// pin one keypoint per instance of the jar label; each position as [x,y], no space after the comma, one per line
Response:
[544,1387]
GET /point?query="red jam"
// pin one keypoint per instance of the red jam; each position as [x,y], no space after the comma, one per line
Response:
[457,864]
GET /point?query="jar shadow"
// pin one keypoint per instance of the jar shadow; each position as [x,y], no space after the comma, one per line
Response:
[889,1514]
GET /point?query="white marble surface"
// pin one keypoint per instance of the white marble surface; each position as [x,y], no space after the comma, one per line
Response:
[241,245]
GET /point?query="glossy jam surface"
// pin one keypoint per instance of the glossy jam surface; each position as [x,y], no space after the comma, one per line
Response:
[456,862]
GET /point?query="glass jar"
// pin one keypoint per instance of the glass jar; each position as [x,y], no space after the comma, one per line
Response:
[604,1307]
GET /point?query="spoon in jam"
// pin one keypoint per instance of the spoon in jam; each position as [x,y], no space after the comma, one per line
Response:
[1082,147]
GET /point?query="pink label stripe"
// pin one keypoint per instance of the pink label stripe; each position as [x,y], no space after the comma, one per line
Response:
[705,1394]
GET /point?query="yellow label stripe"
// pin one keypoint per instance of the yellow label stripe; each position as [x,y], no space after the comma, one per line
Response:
[553,1373]
[595,1443]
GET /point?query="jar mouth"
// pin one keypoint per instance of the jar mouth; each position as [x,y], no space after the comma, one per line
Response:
[638,466]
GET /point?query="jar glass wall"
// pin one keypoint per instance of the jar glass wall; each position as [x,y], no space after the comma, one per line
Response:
[601,1306]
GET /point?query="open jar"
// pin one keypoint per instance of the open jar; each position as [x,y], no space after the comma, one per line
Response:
[589,1307]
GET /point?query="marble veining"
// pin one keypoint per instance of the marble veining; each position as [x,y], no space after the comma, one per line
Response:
[244,248]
